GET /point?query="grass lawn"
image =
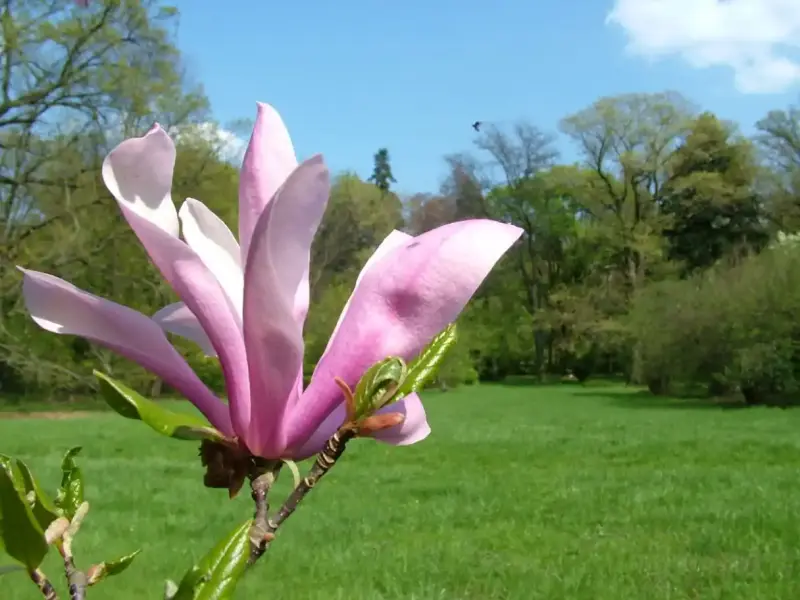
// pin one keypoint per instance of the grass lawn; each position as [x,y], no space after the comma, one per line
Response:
[520,492]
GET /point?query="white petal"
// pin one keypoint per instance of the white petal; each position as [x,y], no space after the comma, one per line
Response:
[214,243]
[138,173]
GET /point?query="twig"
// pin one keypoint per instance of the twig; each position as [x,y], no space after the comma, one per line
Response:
[333,449]
[44,585]
[76,579]
[262,476]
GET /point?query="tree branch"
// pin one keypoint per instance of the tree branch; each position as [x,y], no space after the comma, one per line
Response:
[76,579]
[44,585]
[262,476]
[333,450]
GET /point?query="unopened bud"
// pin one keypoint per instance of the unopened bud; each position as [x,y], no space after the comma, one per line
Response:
[56,530]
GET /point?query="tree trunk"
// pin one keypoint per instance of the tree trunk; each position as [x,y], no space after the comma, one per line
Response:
[752,396]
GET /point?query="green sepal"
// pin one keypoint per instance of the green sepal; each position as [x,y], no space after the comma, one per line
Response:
[423,369]
[132,405]
[215,576]
[378,385]
[21,536]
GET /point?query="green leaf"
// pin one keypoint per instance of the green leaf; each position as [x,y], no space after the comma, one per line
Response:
[111,567]
[43,507]
[424,368]
[6,569]
[9,464]
[377,386]
[133,405]
[70,494]
[20,533]
[215,576]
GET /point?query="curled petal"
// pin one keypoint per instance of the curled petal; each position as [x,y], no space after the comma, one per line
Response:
[413,429]
[403,300]
[268,161]
[60,307]
[178,319]
[138,172]
[277,266]
[214,243]
[129,172]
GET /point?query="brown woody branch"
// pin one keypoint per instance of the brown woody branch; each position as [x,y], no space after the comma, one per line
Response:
[262,476]
[44,585]
[333,450]
[76,579]
[263,531]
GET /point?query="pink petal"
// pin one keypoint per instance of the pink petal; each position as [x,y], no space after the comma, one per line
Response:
[413,429]
[276,267]
[60,307]
[395,239]
[403,300]
[268,161]
[178,319]
[140,169]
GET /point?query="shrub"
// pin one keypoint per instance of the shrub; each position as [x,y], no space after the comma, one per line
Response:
[731,328]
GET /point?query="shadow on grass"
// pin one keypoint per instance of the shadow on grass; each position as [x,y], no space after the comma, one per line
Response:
[642,399]
[533,381]
[31,404]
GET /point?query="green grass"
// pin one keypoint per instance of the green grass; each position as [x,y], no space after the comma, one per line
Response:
[520,493]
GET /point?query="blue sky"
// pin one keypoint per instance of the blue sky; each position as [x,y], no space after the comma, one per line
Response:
[350,76]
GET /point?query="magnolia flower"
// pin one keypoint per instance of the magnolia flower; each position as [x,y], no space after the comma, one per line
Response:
[246,301]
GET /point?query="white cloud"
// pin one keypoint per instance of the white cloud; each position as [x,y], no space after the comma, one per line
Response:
[230,146]
[758,39]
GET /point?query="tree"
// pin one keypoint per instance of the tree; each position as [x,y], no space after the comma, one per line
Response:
[512,184]
[382,171]
[711,198]
[358,217]
[779,140]
[74,82]
[429,211]
[628,142]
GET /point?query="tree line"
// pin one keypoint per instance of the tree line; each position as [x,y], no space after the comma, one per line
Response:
[666,256]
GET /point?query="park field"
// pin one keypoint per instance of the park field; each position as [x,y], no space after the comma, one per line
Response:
[520,493]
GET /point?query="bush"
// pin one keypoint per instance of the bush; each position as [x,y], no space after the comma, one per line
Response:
[457,368]
[731,328]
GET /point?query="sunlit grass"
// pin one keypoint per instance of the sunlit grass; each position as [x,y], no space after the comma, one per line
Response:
[521,492]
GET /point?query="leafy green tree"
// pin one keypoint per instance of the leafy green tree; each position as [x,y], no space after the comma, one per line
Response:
[778,138]
[518,190]
[711,198]
[74,82]
[382,171]
[628,142]
[358,217]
